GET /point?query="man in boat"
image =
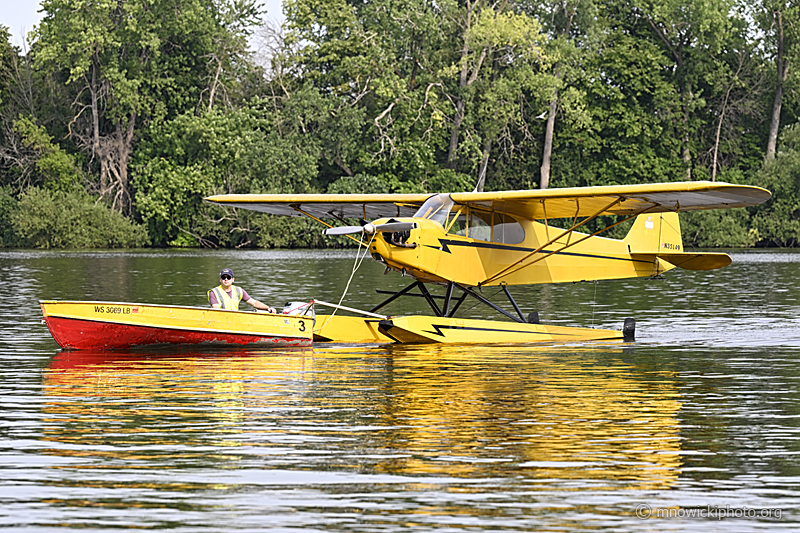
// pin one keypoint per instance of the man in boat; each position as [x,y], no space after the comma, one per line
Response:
[228,296]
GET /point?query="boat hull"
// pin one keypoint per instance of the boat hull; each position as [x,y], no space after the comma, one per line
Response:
[113,326]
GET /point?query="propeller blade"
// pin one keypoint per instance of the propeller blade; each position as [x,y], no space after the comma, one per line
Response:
[396,226]
[370,228]
[343,230]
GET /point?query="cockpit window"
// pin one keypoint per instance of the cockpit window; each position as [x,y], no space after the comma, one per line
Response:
[480,225]
[507,230]
[436,208]
[469,222]
[457,222]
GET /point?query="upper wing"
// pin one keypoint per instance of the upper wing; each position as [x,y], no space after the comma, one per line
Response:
[533,204]
[616,199]
[367,206]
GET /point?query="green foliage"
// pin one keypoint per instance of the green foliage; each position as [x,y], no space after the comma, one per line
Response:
[360,184]
[155,105]
[717,229]
[630,137]
[152,58]
[285,232]
[57,169]
[8,206]
[7,58]
[240,151]
[778,221]
[130,64]
[446,180]
[57,219]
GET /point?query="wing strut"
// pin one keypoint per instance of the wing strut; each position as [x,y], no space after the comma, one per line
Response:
[506,271]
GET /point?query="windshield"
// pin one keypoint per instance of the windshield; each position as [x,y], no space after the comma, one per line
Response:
[436,208]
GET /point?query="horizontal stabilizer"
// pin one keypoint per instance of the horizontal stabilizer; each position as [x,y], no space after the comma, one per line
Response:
[697,261]
[694,261]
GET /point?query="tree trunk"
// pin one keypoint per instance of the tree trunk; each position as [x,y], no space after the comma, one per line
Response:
[214,84]
[124,148]
[782,66]
[722,112]
[487,149]
[93,89]
[463,83]
[451,154]
[549,130]
[686,153]
[716,141]
[544,181]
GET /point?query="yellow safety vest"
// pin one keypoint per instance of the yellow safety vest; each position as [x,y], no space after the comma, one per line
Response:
[225,301]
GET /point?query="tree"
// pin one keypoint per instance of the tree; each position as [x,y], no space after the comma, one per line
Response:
[690,32]
[561,15]
[432,78]
[777,222]
[779,21]
[256,149]
[513,45]
[30,103]
[236,20]
[381,60]
[8,57]
[734,103]
[632,135]
[128,63]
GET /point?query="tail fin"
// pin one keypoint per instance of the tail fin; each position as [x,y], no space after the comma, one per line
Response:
[655,234]
[659,236]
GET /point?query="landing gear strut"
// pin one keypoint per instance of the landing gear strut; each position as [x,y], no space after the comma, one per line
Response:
[446,310]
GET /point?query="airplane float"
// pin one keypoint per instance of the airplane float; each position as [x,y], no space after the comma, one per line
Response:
[469,240]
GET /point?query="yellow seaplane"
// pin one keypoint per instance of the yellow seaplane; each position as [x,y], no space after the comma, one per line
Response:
[469,240]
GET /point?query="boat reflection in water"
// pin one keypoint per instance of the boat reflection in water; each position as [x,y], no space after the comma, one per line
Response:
[548,417]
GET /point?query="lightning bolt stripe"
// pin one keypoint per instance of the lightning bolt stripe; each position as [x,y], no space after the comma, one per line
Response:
[440,327]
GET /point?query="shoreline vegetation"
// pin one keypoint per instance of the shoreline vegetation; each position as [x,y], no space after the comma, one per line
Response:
[119,117]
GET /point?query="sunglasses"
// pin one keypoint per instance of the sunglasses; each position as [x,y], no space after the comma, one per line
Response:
[226,277]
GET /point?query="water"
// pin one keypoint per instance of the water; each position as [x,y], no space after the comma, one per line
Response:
[696,420]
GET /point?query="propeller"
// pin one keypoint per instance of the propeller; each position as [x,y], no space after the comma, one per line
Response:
[371,228]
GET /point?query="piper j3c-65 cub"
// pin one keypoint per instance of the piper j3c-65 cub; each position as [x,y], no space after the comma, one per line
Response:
[465,241]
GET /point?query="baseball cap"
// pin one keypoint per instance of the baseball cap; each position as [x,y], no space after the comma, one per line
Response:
[227,271]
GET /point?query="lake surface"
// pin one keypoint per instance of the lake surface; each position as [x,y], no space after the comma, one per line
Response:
[695,425]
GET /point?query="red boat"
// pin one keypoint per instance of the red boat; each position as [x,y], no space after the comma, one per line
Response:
[77,325]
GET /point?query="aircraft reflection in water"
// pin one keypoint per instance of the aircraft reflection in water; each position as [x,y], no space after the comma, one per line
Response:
[553,414]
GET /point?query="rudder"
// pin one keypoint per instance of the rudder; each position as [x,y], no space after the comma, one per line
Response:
[657,237]
[655,233]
